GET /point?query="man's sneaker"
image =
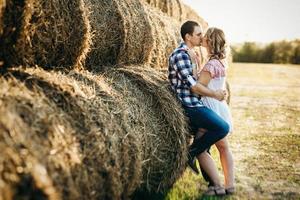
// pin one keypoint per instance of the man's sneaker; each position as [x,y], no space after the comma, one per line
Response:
[192,164]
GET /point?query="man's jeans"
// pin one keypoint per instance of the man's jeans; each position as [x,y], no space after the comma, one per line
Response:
[217,129]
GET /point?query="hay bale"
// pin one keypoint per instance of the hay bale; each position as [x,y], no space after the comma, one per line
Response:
[110,164]
[173,8]
[130,32]
[19,168]
[47,33]
[190,14]
[177,10]
[166,37]
[158,119]
[96,137]
[38,149]
[121,33]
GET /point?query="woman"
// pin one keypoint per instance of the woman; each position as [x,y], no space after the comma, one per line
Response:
[213,75]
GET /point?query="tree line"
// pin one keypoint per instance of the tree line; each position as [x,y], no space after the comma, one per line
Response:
[276,52]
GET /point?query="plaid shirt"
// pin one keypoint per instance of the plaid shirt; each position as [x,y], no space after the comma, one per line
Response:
[181,77]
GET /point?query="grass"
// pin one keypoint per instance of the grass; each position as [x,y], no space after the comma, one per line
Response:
[266,139]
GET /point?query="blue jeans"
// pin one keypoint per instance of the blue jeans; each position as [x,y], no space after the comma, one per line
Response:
[203,117]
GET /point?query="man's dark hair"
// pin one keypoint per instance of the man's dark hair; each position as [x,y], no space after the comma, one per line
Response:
[188,28]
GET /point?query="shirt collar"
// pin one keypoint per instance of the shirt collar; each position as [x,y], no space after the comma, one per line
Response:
[182,47]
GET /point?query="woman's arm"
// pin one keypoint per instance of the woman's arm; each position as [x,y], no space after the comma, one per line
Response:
[201,87]
[204,78]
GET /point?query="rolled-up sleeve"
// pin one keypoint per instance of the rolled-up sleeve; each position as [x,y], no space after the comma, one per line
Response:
[184,67]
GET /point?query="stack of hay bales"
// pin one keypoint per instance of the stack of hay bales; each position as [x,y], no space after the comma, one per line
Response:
[81,135]
[93,136]
[47,33]
[64,34]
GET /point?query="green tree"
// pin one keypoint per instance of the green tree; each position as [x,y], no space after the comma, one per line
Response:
[267,54]
[296,52]
[283,52]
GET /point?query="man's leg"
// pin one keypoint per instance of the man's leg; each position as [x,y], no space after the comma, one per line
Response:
[217,128]
[199,134]
[204,174]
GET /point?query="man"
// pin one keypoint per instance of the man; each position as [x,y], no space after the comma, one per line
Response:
[189,92]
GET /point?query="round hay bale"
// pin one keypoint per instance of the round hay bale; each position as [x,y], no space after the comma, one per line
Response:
[110,165]
[98,137]
[173,8]
[177,10]
[159,121]
[107,109]
[166,37]
[121,33]
[190,14]
[19,168]
[38,148]
[51,34]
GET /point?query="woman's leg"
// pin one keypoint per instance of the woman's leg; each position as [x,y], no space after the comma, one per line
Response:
[226,161]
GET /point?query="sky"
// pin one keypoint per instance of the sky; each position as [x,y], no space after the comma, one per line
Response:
[256,20]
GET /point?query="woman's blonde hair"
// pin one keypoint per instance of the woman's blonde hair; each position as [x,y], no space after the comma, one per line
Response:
[217,43]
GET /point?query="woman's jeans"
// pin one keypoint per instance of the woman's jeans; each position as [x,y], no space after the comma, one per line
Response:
[205,118]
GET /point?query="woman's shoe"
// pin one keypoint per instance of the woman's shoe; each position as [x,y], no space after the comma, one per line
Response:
[215,191]
[230,190]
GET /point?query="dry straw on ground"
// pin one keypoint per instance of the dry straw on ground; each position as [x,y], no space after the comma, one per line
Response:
[90,139]
[47,33]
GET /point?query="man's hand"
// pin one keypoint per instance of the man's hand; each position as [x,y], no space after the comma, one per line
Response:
[220,95]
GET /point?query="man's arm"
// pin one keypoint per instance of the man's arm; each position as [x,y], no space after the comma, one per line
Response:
[201,87]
